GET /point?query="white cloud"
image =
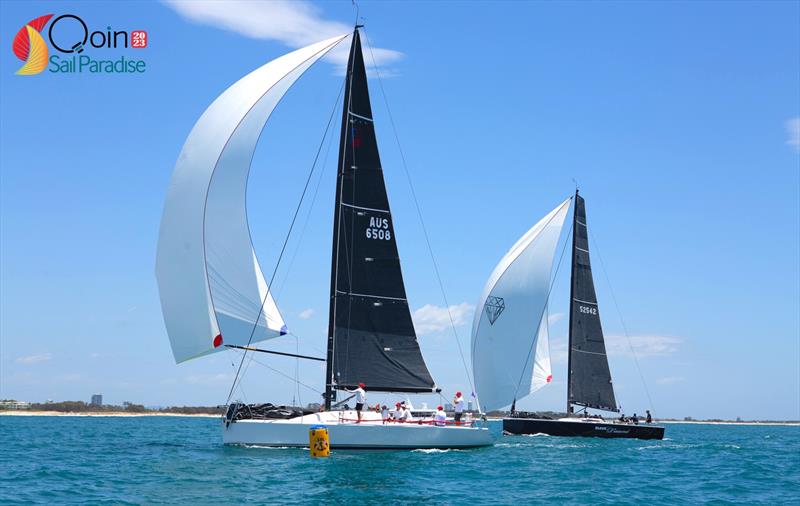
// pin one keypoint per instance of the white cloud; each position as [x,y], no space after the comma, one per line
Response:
[94,355]
[293,23]
[669,380]
[306,314]
[430,319]
[793,132]
[34,359]
[643,346]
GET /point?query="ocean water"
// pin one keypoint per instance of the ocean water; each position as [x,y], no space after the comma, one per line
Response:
[176,460]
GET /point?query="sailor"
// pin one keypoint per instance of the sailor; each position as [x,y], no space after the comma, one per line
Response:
[398,412]
[635,419]
[361,399]
[649,418]
[403,413]
[384,413]
[458,405]
[440,418]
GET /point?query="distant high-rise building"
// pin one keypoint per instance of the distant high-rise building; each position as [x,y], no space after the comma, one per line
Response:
[97,400]
[469,406]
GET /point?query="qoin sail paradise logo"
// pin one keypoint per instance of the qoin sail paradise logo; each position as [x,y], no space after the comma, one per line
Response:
[73,41]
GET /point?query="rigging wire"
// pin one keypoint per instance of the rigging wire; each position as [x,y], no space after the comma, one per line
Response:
[552,284]
[622,321]
[277,371]
[419,214]
[283,249]
[313,199]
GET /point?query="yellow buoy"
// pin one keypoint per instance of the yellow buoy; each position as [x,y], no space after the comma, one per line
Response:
[318,441]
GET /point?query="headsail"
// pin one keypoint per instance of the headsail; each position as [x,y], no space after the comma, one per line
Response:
[210,283]
[589,375]
[511,317]
[371,335]
[542,370]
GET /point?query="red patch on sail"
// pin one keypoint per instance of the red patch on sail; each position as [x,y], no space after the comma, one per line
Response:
[218,341]
[549,378]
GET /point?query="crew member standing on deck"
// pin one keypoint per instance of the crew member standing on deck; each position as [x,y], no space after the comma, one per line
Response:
[458,406]
[361,399]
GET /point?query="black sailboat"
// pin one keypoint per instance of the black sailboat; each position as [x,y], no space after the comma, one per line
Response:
[589,383]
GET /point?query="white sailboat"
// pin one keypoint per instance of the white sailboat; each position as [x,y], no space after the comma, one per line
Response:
[214,295]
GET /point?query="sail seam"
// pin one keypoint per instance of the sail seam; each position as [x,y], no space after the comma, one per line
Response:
[354,294]
[351,113]
[584,301]
[589,352]
[365,208]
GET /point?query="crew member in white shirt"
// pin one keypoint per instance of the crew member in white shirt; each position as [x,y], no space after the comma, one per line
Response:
[361,399]
[440,418]
[458,405]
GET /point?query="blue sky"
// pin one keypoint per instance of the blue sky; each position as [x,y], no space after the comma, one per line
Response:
[679,121]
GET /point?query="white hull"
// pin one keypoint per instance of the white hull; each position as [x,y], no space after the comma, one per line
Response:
[345,433]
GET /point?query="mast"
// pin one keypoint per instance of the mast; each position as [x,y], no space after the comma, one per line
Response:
[571,302]
[330,392]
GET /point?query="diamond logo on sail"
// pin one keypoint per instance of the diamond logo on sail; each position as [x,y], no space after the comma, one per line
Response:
[494,306]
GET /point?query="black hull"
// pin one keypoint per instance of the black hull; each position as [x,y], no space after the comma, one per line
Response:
[517,426]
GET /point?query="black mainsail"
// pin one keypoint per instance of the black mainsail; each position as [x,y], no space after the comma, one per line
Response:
[589,382]
[371,337]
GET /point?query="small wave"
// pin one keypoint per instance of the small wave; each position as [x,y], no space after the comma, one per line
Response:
[538,434]
[435,450]
[264,447]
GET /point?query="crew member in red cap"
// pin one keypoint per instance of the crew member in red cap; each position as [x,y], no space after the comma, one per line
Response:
[440,418]
[361,399]
[458,406]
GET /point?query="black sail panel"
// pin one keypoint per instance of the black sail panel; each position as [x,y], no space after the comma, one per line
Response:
[374,341]
[590,378]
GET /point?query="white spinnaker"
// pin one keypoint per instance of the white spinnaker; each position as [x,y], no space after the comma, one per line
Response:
[542,372]
[511,317]
[209,279]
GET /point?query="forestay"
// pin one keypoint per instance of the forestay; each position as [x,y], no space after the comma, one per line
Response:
[510,355]
[209,278]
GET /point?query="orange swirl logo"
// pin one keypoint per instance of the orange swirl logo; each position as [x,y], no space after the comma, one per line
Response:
[30,47]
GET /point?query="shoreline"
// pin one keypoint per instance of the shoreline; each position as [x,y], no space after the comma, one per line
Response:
[125,414]
[102,414]
[700,422]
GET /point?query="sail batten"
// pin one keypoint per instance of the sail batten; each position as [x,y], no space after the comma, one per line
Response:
[589,375]
[212,289]
[371,334]
[510,349]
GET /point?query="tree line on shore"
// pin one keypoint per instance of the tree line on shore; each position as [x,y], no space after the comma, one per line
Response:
[126,407]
